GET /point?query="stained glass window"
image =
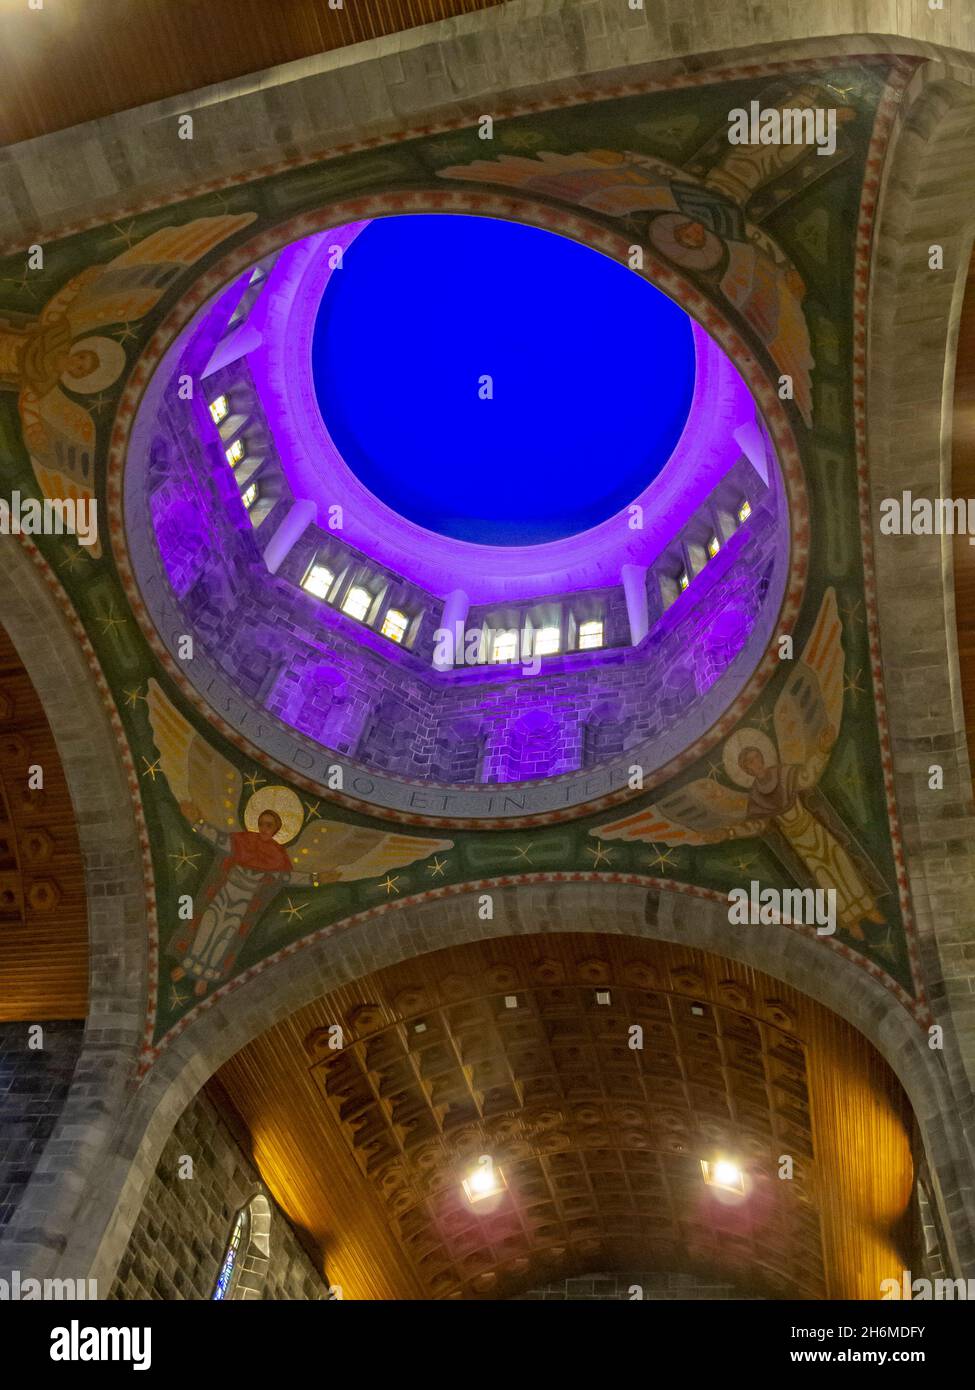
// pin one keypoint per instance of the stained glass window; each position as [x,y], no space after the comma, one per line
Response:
[219,409]
[249,496]
[714,545]
[744,511]
[505,646]
[394,625]
[235,453]
[357,602]
[225,1279]
[590,635]
[319,580]
[547,641]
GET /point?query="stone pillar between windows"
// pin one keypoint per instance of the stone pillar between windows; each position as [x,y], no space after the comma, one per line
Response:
[292,528]
[751,441]
[634,579]
[235,345]
[455,610]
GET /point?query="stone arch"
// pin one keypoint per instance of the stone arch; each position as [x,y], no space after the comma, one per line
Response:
[503,57]
[72,691]
[233,1020]
[910,378]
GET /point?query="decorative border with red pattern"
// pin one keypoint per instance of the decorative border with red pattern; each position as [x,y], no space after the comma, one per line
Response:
[152,1052]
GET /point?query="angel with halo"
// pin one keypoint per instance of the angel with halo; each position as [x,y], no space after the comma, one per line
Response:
[782,803]
[59,351]
[254,863]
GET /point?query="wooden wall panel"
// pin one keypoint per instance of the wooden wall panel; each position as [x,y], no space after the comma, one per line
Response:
[43,915]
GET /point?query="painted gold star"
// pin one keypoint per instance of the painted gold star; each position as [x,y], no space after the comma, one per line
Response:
[126,332]
[73,557]
[27,284]
[132,697]
[111,621]
[436,869]
[313,810]
[763,720]
[599,853]
[151,769]
[852,612]
[127,234]
[253,782]
[100,402]
[292,911]
[176,999]
[183,859]
[743,865]
[523,139]
[852,686]
[452,149]
[662,860]
[523,851]
[713,770]
[389,883]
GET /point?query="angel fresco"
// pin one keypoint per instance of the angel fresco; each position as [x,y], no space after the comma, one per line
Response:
[781,803]
[276,846]
[60,351]
[697,222]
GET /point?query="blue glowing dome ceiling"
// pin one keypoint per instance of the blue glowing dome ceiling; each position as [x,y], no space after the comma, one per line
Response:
[592,372]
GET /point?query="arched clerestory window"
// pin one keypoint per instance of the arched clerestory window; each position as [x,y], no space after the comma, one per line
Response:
[246,1259]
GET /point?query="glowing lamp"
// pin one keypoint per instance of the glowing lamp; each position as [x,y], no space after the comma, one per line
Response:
[724,1174]
[483,1181]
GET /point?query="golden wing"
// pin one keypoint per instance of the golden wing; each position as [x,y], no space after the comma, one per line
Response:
[60,438]
[767,291]
[343,853]
[809,711]
[134,282]
[606,180]
[195,771]
[691,816]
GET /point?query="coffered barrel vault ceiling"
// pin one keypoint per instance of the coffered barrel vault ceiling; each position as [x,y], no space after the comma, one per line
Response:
[192,43]
[503,1048]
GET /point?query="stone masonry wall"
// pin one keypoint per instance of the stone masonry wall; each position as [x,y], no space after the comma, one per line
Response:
[351,690]
[33,1087]
[179,1240]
